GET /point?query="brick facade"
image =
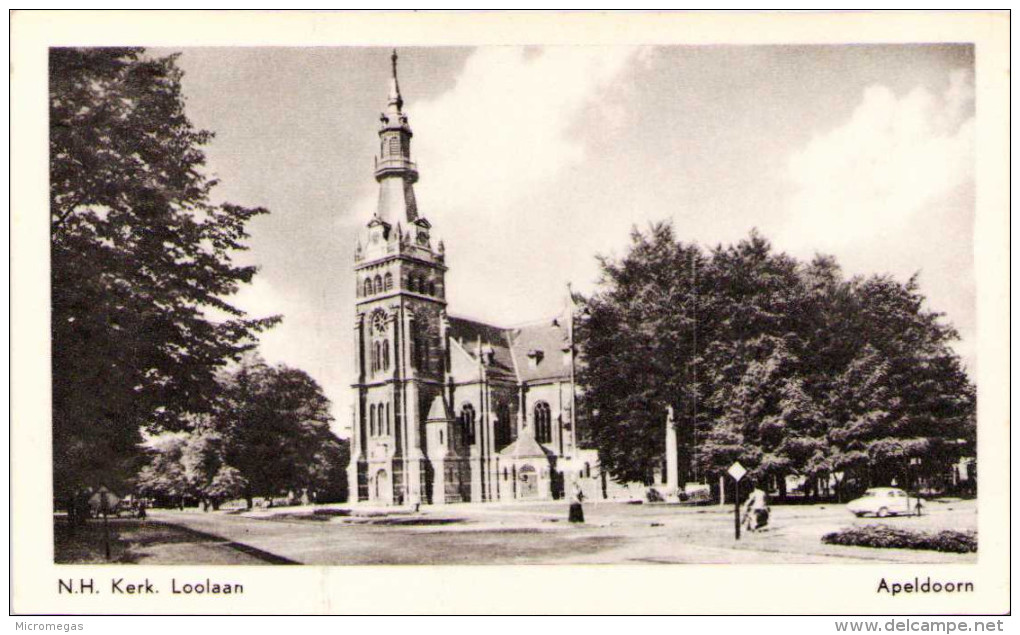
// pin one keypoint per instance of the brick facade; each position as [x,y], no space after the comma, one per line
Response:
[447,409]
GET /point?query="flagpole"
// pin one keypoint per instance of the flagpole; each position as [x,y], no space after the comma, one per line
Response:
[694,361]
[573,390]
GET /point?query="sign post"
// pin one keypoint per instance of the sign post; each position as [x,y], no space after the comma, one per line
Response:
[737,471]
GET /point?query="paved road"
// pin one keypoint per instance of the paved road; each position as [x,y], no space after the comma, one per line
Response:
[539,533]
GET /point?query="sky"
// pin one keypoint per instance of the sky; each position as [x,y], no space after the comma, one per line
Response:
[534,160]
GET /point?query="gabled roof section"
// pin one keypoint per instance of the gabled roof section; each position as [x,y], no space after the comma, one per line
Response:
[538,350]
[527,353]
[495,349]
[525,447]
[439,411]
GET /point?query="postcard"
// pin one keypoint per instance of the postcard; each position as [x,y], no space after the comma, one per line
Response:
[545,313]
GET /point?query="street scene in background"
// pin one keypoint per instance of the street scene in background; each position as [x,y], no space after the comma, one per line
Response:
[501,305]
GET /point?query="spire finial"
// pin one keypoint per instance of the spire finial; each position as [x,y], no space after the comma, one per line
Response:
[395,98]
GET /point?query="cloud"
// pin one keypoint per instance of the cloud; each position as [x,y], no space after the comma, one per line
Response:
[510,122]
[497,154]
[876,174]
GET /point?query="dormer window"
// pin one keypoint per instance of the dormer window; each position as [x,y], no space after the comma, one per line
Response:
[534,358]
[488,355]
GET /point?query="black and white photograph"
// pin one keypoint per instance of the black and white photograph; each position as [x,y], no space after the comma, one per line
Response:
[657,304]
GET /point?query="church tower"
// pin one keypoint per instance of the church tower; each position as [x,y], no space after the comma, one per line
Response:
[399,330]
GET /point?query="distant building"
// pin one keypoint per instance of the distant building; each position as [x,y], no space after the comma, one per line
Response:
[448,409]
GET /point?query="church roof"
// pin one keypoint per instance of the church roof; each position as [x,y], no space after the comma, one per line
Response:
[469,333]
[525,447]
[531,352]
[538,350]
[438,411]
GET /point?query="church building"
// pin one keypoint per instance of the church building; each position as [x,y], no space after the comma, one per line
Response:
[447,409]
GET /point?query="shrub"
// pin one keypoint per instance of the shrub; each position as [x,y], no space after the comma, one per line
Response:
[886,537]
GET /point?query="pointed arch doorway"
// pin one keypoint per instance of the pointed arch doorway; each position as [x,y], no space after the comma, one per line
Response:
[528,478]
[382,486]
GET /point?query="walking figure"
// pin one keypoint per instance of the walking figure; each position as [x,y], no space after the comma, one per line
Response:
[756,510]
[576,511]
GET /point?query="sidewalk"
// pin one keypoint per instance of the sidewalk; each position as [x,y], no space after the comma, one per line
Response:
[150,542]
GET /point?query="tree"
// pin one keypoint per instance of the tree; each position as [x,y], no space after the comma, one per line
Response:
[269,434]
[228,483]
[275,420]
[142,262]
[639,357]
[164,476]
[794,369]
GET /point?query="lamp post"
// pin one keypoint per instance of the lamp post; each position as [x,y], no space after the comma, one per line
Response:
[915,463]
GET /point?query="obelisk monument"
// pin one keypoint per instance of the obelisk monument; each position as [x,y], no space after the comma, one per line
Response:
[672,472]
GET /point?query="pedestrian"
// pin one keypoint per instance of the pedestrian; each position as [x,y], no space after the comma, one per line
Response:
[576,511]
[756,510]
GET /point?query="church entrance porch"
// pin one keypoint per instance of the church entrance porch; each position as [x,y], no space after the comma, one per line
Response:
[382,491]
[528,478]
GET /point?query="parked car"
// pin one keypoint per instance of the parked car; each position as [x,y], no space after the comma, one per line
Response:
[885,501]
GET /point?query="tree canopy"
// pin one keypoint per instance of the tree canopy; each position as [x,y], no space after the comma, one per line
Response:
[268,434]
[787,366]
[142,263]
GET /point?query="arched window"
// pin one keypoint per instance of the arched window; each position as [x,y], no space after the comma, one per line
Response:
[388,281]
[424,346]
[502,426]
[371,420]
[376,356]
[378,283]
[368,286]
[420,348]
[467,423]
[386,355]
[432,288]
[387,419]
[543,423]
[412,283]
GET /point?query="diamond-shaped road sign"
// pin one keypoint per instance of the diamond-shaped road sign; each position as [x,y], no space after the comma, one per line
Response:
[737,471]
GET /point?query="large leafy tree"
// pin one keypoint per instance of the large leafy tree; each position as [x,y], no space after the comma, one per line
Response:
[276,423]
[142,262]
[796,370]
[269,434]
[637,341]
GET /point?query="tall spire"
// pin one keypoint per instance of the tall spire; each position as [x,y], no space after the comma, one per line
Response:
[394,170]
[395,98]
